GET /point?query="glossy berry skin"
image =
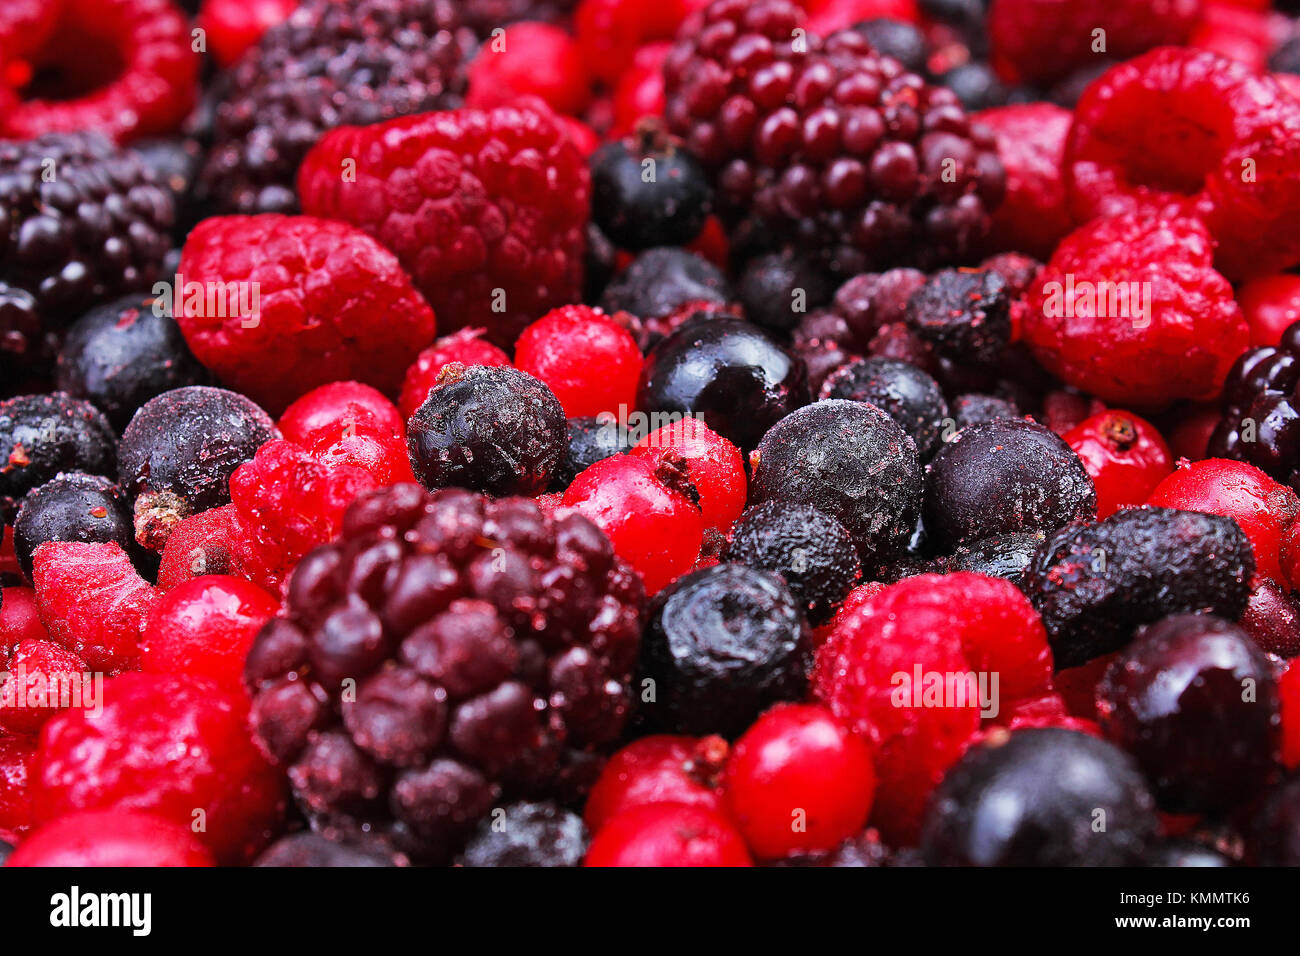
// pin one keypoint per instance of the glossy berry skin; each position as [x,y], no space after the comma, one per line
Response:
[668,834]
[233,25]
[1270,304]
[467,346]
[1124,456]
[32,692]
[798,782]
[589,361]
[732,374]
[1031,143]
[647,191]
[659,768]
[42,435]
[336,406]
[204,628]
[1272,618]
[713,464]
[1195,702]
[591,439]
[645,511]
[111,838]
[1030,798]
[73,507]
[529,59]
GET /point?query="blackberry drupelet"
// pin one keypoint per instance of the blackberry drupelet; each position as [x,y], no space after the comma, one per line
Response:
[647,191]
[81,221]
[332,63]
[42,435]
[528,834]
[901,390]
[447,651]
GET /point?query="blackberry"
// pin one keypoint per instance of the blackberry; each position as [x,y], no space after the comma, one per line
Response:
[777,289]
[179,451]
[1035,798]
[851,461]
[591,440]
[901,390]
[122,354]
[647,191]
[495,430]
[331,63]
[827,141]
[659,281]
[973,407]
[730,373]
[1095,584]
[964,314]
[446,651]
[73,507]
[812,551]
[722,645]
[81,222]
[1175,700]
[42,435]
[528,834]
[1007,475]
[308,849]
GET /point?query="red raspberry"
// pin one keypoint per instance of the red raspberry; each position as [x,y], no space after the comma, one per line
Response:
[112,838]
[25,25]
[646,513]
[611,31]
[587,359]
[233,26]
[92,602]
[332,304]
[42,679]
[204,628]
[19,618]
[798,782]
[640,90]
[1031,144]
[1041,41]
[165,744]
[201,544]
[658,769]
[714,465]
[487,210]
[465,346]
[1288,692]
[1081,330]
[16,756]
[1123,454]
[529,59]
[129,72]
[1230,30]
[1234,489]
[1270,304]
[668,834]
[1181,132]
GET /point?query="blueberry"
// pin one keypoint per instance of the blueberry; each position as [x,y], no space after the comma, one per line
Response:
[647,191]
[1001,556]
[74,507]
[528,834]
[659,281]
[42,435]
[778,289]
[591,439]
[974,407]
[309,849]
[901,390]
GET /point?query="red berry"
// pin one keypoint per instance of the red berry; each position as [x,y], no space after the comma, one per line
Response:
[111,838]
[1180,132]
[1189,437]
[1270,304]
[19,618]
[166,744]
[1288,692]
[668,834]
[338,405]
[611,31]
[201,544]
[130,67]
[331,304]
[827,16]
[529,59]
[1272,618]
[798,782]
[640,90]
[233,26]
[204,628]
[466,346]
[1263,507]
[1031,144]
[1123,454]
[1130,309]
[92,602]
[588,360]
[1078,686]
[659,768]
[16,756]
[715,467]
[25,25]
[647,515]
[42,679]
[486,209]
[1232,31]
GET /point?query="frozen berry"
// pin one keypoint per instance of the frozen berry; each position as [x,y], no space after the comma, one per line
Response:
[529,59]
[659,281]
[668,834]
[466,346]
[777,289]
[900,389]
[116,837]
[16,756]
[1031,144]
[19,618]
[964,314]
[714,466]
[74,507]
[658,768]
[40,679]
[42,435]
[200,544]
[1124,456]
[1272,619]
[1000,556]
[647,191]
[528,834]
[339,407]
[589,361]
[974,407]
[591,439]
[311,849]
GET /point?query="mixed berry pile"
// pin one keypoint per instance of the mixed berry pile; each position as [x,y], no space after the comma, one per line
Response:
[649,432]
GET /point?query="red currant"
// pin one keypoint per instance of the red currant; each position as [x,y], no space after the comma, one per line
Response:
[715,466]
[587,359]
[1124,455]
[1270,304]
[101,838]
[660,768]
[668,834]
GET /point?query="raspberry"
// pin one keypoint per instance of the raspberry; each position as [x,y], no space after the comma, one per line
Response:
[204,628]
[659,768]
[829,141]
[586,358]
[1177,341]
[1270,304]
[529,59]
[19,619]
[235,26]
[112,838]
[1042,41]
[713,464]
[330,304]
[1124,456]
[485,209]
[92,602]
[1187,133]
[96,231]
[332,63]
[496,661]
[42,679]
[16,756]
[201,544]
[124,68]
[668,834]
[1031,144]
[166,744]
[465,346]
[25,25]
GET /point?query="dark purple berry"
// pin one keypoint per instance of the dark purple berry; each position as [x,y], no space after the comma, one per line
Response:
[908,395]
[308,849]
[528,834]
[964,314]
[779,288]
[659,281]
[73,507]
[42,435]
[647,191]
[591,439]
